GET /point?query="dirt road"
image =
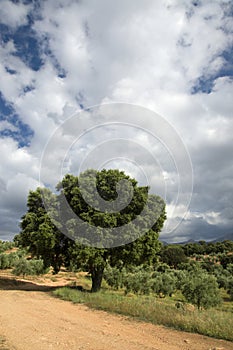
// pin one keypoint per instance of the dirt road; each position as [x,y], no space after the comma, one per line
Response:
[35,320]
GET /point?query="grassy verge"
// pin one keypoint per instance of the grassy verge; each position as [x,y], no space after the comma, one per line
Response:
[3,344]
[214,323]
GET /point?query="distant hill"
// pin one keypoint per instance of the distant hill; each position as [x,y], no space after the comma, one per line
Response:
[226,237]
[189,241]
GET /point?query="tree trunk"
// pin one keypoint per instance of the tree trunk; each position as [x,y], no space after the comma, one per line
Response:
[96,276]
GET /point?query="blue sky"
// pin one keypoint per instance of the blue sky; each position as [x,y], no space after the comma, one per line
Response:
[172,57]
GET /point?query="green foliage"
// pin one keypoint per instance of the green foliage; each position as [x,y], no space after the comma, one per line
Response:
[37,267]
[230,288]
[142,280]
[223,281]
[214,323]
[226,259]
[7,261]
[4,261]
[181,278]
[28,267]
[222,275]
[5,245]
[114,277]
[22,267]
[38,234]
[44,240]
[202,290]
[206,248]
[162,267]
[164,284]
[173,255]
[191,266]
[139,282]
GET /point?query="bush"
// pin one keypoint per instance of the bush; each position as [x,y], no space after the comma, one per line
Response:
[4,261]
[230,288]
[162,267]
[191,266]
[202,290]
[213,323]
[22,267]
[37,267]
[7,261]
[223,281]
[164,284]
[28,267]
[139,282]
[173,255]
[181,278]
[4,245]
[113,276]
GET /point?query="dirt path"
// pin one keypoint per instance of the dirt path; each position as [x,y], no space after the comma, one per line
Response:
[36,320]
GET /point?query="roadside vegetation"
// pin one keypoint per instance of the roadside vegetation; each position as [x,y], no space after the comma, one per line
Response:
[188,299]
[3,345]
[185,286]
[192,297]
[19,261]
[217,323]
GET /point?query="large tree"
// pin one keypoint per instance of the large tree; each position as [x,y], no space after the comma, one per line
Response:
[120,222]
[39,234]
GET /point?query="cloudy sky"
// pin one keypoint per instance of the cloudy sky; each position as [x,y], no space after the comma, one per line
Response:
[171,58]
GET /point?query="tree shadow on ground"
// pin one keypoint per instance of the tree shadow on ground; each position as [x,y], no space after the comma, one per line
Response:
[7,283]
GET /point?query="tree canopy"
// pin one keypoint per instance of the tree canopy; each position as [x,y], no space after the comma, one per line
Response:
[173,255]
[202,290]
[120,223]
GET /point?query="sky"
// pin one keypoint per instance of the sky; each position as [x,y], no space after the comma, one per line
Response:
[167,62]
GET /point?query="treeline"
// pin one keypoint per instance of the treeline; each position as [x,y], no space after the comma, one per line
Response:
[208,254]
[203,247]
[199,280]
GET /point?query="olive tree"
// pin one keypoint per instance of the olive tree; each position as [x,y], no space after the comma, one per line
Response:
[201,290]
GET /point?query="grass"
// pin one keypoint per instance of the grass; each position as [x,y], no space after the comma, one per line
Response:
[3,344]
[216,323]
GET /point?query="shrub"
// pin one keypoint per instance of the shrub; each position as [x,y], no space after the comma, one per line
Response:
[164,284]
[4,245]
[139,282]
[7,261]
[22,267]
[113,276]
[173,255]
[37,267]
[202,290]
[4,261]
[162,267]
[230,288]
[28,267]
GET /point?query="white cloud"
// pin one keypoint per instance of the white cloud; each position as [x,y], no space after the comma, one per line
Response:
[19,173]
[14,14]
[4,124]
[11,85]
[147,53]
